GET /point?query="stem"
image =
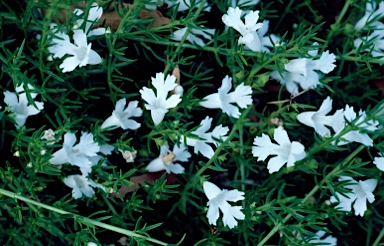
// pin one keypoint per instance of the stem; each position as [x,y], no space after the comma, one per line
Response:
[338,20]
[343,12]
[178,49]
[80,218]
[359,59]
[242,169]
[281,18]
[242,172]
[312,192]
[378,239]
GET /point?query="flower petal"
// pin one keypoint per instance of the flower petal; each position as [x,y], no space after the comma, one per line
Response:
[212,101]
[213,214]
[94,58]
[156,165]
[130,124]
[69,64]
[10,99]
[174,168]
[158,115]
[233,195]
[59,157]
[211,190]
[111,121]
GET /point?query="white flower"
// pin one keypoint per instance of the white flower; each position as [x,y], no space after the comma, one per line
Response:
[249,37]
[179,90]
[17,154]
[19,106]
[192,38]
[285,151]
[94,14]
[370,15]
[59,43]
[329,240]
[223,99]
[128,155]
[375,40]
[78,154]
[379,161]
[159,104]
[242,3]
[49,135]
[360,192]
[80,185]
[166,159]
[203,146]
[186,5]
[81,52]
[347,117]
[319,119]
[302,72]
[218,199]
[121,117]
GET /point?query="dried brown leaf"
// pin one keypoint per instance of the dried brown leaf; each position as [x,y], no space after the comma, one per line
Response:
[142,180]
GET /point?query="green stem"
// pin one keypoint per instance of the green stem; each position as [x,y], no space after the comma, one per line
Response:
[178,49]
[282,17]
[378,239]
[343,12]
[113,210]
[255,70]
[338,20]
[329,176]
[80,218]
[359,59]
[242,168]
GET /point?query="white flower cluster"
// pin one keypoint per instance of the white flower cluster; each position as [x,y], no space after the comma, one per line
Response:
[319,120]
[166,95]
[83,155]
[80,52]
[252,33]
[303,72]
